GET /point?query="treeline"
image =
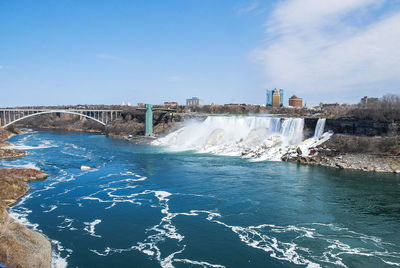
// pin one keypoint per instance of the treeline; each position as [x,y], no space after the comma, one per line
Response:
[227,109]
[385,109]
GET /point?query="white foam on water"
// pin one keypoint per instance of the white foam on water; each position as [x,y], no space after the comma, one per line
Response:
[57,261]
[392,263]
[74,146]
[16,165]
[52,207]
[75,154]
[66,224]
[162,195]
[111,191]
[200,263]
[90,227]
[263,138]
[28,131]
[140,179]
[158,233]
[20,215]
[20,146]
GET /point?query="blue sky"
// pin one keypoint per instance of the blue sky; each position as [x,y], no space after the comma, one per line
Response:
[106,52]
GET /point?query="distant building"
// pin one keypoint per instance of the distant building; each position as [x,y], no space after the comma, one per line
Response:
[140,104]
[171,103]
[275,98]
[269,98]
[194,101]
[326,105]
[294,101]
[126,103]
[368,101]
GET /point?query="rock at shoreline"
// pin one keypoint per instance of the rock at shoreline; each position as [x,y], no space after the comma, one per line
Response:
[6,152]
[352,152]
[20,246]
[11,153]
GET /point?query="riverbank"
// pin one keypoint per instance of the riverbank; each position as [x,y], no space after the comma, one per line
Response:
[378,154]
[19,246]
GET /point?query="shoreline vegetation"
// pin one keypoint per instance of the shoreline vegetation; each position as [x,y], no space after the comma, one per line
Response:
[19,246]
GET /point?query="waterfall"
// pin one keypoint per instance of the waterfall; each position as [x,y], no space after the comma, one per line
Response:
[263,138]
[319,128]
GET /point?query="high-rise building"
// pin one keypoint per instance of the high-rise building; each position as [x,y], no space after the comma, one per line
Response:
[281,97]
[194,101]
[275,98]
[269,98]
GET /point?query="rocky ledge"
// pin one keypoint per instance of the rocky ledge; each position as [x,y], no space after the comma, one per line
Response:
[5,150]
[379,154]
[19,246]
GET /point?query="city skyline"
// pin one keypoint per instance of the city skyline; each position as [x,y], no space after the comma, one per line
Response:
[98,52]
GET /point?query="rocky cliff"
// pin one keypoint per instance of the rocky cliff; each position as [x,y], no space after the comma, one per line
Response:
[20,247]
[356,127]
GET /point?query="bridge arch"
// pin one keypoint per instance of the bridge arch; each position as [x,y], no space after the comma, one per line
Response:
[54,111]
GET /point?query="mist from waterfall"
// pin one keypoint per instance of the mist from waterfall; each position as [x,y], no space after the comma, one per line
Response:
[259,138]
[319,128]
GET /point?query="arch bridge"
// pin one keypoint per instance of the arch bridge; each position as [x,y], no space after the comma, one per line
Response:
[10,116]
[13,115]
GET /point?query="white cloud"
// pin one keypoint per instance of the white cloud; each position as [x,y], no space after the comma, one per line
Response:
[107,56]
[1,67]
[247,9]
[332,45]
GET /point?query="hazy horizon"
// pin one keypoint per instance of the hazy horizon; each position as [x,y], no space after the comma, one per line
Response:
[102,52]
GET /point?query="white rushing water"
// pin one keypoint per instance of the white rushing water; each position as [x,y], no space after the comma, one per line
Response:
[319,128]
[259,138]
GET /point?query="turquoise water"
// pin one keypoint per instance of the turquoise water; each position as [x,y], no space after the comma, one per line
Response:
[142,206]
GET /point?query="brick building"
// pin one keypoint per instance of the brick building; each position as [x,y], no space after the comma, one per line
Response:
[294,101]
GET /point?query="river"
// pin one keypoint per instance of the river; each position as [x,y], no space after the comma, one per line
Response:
[147,206]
